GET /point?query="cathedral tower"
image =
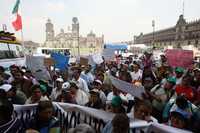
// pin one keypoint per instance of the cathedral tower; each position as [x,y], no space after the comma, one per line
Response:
[49,31]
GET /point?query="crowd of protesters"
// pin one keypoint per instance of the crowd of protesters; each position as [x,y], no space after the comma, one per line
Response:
[172,95]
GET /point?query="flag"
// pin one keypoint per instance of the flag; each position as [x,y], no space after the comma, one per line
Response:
[16,7]
[17,24]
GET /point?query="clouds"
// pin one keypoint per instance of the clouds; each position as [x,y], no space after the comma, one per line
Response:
[55,6]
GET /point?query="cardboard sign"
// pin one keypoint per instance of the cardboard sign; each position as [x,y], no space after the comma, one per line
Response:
[179,58]
[83,61]
[48,62]
[61,61]
[97,58]
[35,63]
[108,54]
[134,90]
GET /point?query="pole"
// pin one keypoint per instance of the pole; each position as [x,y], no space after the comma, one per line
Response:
[153,25]
[22,35]
[183,7]
[78,43]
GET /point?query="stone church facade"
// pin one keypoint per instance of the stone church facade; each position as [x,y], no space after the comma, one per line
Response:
[182,34]
[71,39]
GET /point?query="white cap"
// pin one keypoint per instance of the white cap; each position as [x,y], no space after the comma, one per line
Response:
[59,80]
[6,87]
[98,81]
[65,85]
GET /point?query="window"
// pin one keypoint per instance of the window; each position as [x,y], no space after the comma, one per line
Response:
[4,51]
[16,51]
[196,42]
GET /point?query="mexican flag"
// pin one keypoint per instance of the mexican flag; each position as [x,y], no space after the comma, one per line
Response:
[17,23]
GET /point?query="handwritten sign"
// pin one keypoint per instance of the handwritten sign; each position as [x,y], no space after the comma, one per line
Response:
[179,58]
[97,58]
[108,54]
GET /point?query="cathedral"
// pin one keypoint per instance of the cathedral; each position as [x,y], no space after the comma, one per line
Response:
[71,39]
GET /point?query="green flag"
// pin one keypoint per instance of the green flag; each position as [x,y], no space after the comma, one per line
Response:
[15,9]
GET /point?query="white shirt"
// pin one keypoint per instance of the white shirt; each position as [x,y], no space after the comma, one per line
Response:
[136,75]
[89,78]
[178,81]
[81,97]
[43,98]
[102,96]
[122,96]
[82,84]
[55,93]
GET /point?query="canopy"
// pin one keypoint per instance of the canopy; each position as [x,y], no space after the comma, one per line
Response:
[116,46]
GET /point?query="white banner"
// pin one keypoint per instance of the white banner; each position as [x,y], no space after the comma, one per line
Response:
[161,128]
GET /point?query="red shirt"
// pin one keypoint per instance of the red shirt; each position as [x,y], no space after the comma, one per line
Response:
[187,91]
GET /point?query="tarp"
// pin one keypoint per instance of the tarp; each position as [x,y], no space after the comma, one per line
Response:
[116,46]
[179,57]
[61,61]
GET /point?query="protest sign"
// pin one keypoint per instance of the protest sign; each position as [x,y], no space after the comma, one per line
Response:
[48,62]
[134,90]
[97,58]
[179,58]
[35,63]
[83,61]
[61,61]
[108,54]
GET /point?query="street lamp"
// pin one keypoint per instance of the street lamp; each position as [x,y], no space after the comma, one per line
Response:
[153,25]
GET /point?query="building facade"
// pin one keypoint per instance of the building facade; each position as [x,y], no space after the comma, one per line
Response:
[71,39]
[182,34]
[31,47]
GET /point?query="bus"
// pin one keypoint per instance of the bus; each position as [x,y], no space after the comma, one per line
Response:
[11,50]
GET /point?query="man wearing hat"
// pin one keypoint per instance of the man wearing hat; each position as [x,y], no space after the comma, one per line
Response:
[179,74]
[87,75]
[81,83]
[97,85]
[160,94]
[13,95]
[57,90]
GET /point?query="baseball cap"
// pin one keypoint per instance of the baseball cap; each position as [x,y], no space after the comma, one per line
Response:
[116,101]
[179,70]
[181,112]
[59,80]
[65,85]
[172,80]
[6,87]
[98,81]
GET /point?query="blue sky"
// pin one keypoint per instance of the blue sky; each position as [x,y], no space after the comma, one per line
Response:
[118,20]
